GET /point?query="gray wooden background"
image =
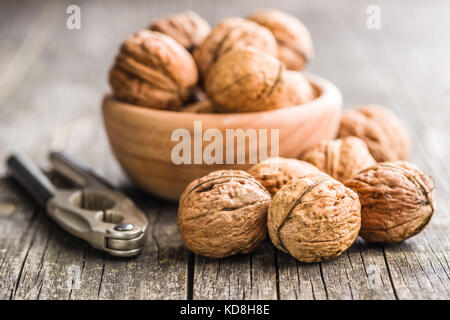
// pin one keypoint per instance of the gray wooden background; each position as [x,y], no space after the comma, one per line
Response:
[51,83]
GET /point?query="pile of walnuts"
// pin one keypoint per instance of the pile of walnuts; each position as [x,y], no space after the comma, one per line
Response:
[314,208]
[241,65]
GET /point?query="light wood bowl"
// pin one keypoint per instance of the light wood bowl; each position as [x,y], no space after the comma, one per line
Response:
[141,137]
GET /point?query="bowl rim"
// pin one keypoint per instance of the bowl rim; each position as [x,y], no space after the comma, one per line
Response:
[328,93]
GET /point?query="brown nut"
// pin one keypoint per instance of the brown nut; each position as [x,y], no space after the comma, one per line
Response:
[295,47]
[275,173]
[341,158]
[154,71]
[297,88]
[187,28]
[223,214]
[397,201]
[380,129]
[230,34]
[249,80]
[314,218]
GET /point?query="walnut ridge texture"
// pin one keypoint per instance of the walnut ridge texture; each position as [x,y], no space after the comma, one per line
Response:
[230,34]
[274,173]
[380,129]
[314,218]
[223,214]
[187,28]
[397,201]
[295,47]
[154,71]
[341,158]
[249,80]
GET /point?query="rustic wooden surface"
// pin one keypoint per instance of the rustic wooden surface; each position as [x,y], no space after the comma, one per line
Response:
[51,83]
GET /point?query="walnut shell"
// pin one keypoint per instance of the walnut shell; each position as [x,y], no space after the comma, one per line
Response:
[230,34]
[397,201]
[297,88]
[249,80]
[314,218]
[380,129]
[295,47]
[223,214]
[154,71]
[187,28]
[275,173]
[341,158]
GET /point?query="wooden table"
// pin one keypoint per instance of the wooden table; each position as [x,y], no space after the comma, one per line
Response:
[51,83]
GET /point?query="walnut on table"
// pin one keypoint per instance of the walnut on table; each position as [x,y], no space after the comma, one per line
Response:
[380,129]
[397,201]
[230,34]
[295,47]
[223,213]
[340,158]
[187,28]
[153,70]
[275,173]
[249,80]
[314,218]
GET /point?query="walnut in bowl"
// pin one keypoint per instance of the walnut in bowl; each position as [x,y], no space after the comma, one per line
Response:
[295,47]
[153,70]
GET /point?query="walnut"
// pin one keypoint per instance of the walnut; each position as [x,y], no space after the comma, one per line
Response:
[314,218]
[187,28]
[341,158]
[397,201]
[248,80]
[295,47]
[274,173]
[233,33]
[154,71]
[380,129]
[223,214]
[204,106]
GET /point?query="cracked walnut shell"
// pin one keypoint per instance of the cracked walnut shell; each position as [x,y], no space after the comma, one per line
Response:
[380,129]
[295,47]
[249,80]
[397,201]
[230,34]
[187,28]
[341,158]
[223,213]
[314,218]
[154,71]
[274,173]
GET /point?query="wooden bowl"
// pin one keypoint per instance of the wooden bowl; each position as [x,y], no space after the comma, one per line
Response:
[141,137]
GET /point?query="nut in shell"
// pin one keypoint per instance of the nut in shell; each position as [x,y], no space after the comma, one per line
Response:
[249,80]
[154,71]
[223,214]
[341,158]
[274,173]
[230,34]
[295,47]
[314,218]
[187,28]
[397,201]
[380,129]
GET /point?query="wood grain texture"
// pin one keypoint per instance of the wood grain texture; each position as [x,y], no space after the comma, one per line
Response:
[53,102]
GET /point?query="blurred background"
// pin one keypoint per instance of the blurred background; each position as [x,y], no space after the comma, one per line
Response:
[52,78]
